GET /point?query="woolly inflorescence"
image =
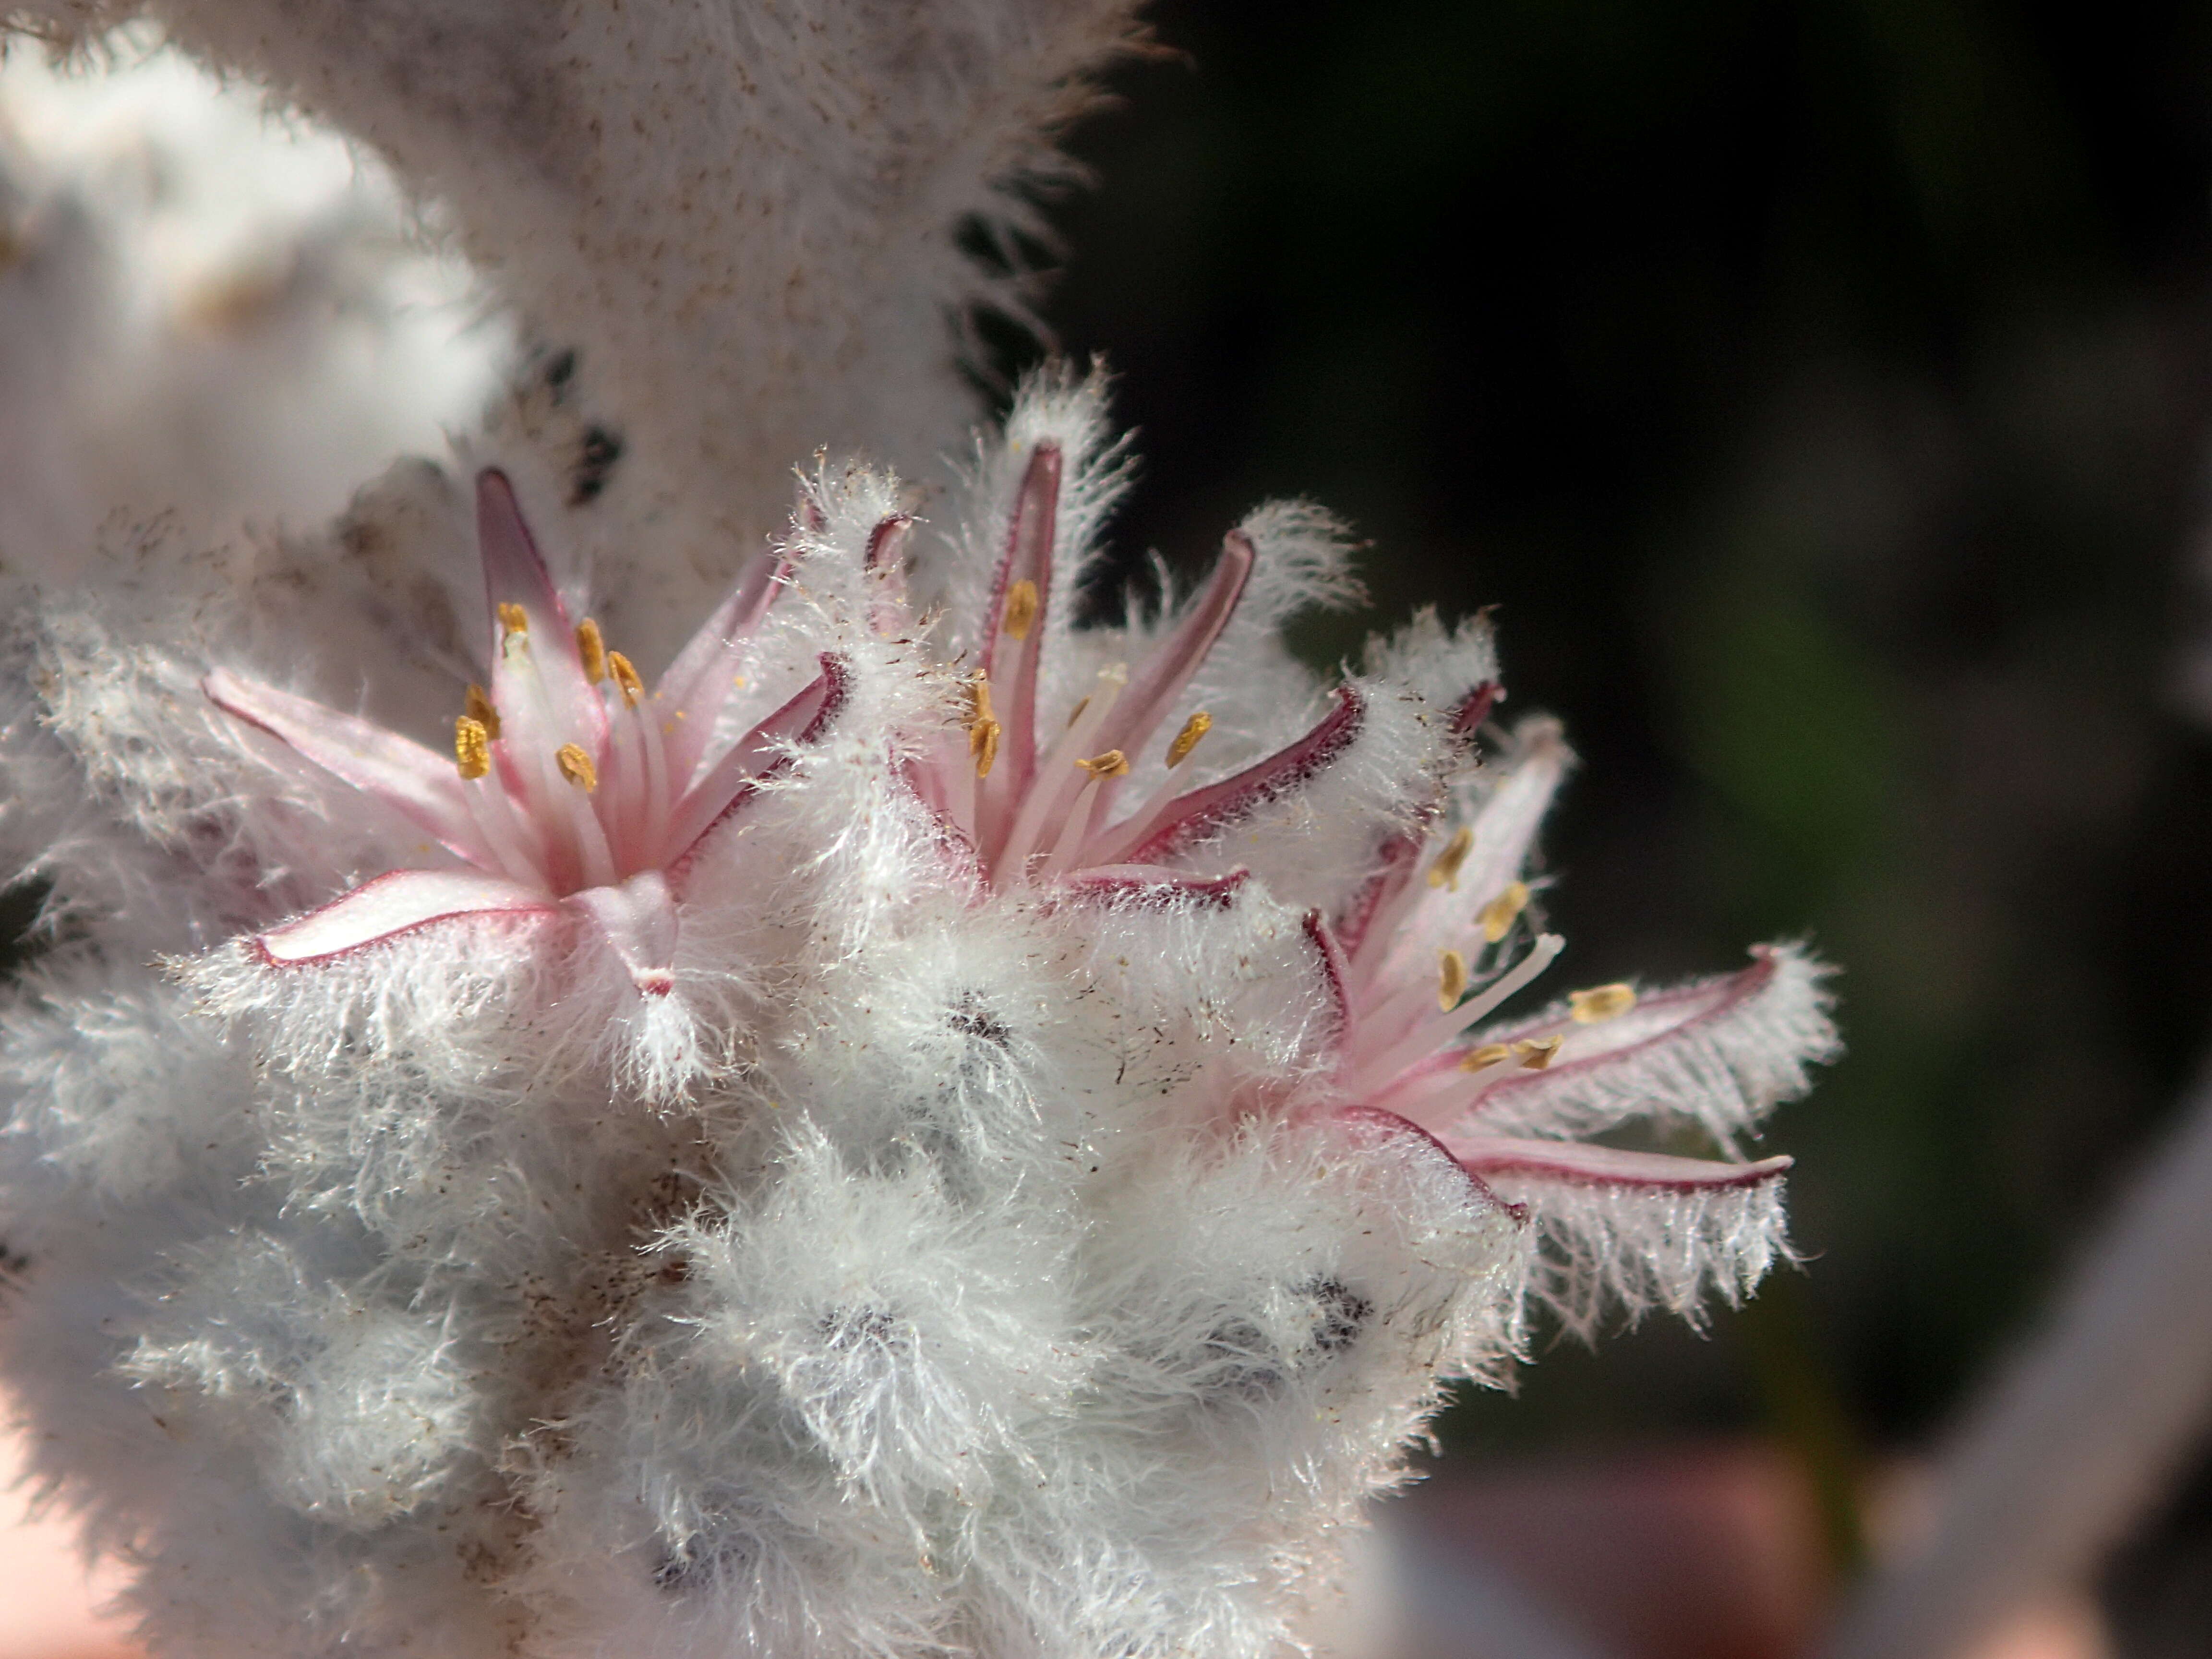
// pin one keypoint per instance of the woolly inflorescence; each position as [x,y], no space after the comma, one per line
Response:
[1009,1178]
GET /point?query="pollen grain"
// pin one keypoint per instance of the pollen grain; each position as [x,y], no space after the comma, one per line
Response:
[1537,1052]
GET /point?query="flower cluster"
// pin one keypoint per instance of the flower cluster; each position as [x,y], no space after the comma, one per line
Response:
[935,1127]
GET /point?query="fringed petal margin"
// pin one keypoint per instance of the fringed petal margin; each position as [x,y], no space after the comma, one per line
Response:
[1636,1230]
[390,905]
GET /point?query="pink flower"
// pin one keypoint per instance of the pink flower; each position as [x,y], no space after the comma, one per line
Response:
[568,784]
[1437,943]
[1038,804]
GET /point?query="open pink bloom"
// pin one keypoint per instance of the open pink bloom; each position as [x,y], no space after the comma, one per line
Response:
[1437,943]
[568,783]
[1040,801]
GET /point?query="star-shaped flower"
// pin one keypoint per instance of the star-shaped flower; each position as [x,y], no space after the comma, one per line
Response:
[569,784]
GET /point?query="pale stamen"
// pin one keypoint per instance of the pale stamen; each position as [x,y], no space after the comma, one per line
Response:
[1063,773]
[598,858]
[1131,830]
[1436,1031]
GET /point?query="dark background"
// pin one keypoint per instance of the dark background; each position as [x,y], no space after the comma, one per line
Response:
[1822,392]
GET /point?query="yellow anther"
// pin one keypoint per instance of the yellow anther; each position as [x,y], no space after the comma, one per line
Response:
[1535,1053]
[576,766]
[514,619]
[1186,740]
[626,679]
[983,744]
[1601,1002]
[1451,979]
[1021,609]
[471,747]
[982,727]
[1482,1059]
[1496,916]
[592,648]
[1444,873]
[478,708]
[1111,764]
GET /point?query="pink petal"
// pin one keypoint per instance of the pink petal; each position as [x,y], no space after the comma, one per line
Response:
[1190,819]
[392,905]
[639,920]
[423,787]
[692,692]
[1495,1158]
[515,574]
[1014,674]
[761,753]
[1720,1051]
[1659,1019]
[1148,698]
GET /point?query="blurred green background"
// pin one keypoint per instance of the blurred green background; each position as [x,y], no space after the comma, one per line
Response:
[1822,391]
